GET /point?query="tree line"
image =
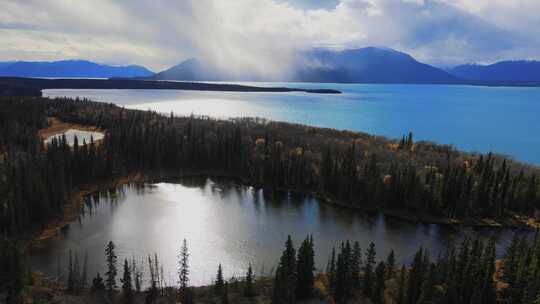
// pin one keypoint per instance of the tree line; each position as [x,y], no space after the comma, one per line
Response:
[353,168]
[467,273]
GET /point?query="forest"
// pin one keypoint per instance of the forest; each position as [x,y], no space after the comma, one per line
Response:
[468,273]
[349,168]
[352,169]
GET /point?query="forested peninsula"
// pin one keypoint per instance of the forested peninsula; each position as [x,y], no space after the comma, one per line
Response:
[433,182]
[412,179]
[19,86]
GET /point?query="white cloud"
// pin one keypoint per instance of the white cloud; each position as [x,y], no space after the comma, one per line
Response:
[260,36]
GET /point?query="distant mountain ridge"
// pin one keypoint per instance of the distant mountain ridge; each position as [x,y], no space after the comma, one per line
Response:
[518,70]
[192,70]
[70,68]
[366,65]
[362,65]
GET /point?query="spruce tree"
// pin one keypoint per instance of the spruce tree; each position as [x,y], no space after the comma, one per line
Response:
[428,288]
[378,288]
[285,279]
[331,270]
[248,287]
[369,269]
[225,294]
[84,274]
[219,283]
[488,292]
[110,275]
[415,279]
[127,288]
[356,264]
[401,296]
[97,283]
[305,267]
[71,274]
[183,271]
[390,265]
[12,271]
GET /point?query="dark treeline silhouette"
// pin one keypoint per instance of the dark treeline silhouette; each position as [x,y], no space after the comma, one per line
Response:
[351,168]
[33,86]
[467,273]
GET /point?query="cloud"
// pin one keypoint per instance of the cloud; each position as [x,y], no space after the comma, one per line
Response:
[261,36]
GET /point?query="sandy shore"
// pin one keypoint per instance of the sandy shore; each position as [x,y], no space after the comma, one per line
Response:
[58,127]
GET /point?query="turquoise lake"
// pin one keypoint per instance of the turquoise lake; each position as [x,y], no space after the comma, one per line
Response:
[500,119]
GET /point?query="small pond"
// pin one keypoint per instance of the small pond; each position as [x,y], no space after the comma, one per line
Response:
[81,135]
[232,225]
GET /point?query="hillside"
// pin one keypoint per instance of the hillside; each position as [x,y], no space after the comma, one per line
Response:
[365,65]
[368,65]
[520,70]
[70,68]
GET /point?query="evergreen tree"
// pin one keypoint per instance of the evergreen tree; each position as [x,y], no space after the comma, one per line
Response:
[225,294]
[488,292]
[285,279]
[378,288]
[344,280]
[305,266]
[369,269]
[183,266]
[153,292]
[127,287]
[428,294]
[248,287]
[331,270]
[84,275]
[110,275]
[401,296]
[71,274]
[219,283]
[356,264]
[415,279]
[97,283]
[12,271]
[390,265]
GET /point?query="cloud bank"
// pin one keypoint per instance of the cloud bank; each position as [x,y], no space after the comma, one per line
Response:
[261,36]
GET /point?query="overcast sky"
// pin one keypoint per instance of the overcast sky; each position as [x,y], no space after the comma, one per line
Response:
[262,35]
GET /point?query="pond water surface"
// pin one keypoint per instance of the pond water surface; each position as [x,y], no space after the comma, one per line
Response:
[82,136]
[232,225]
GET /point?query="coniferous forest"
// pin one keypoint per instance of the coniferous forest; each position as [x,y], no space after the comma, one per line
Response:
[355,273]
[354,169]
[349,168]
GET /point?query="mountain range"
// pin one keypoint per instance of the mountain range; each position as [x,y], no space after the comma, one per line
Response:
[366,65]
[363,65]
[521,70]
[70,68]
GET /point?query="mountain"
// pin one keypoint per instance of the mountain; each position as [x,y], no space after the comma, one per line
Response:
[70,68]
[368,65]
[521,70]
[191,69]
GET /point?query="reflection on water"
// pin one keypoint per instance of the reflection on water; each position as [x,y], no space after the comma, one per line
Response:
[82,136]
[229,224]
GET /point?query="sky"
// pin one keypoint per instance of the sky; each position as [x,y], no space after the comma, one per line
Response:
[262,36]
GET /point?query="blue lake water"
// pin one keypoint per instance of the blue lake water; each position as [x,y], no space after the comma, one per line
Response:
[500,119]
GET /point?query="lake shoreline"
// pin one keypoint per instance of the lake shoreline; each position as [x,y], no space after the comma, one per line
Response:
[31,85]
[57,127]
[72,210]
